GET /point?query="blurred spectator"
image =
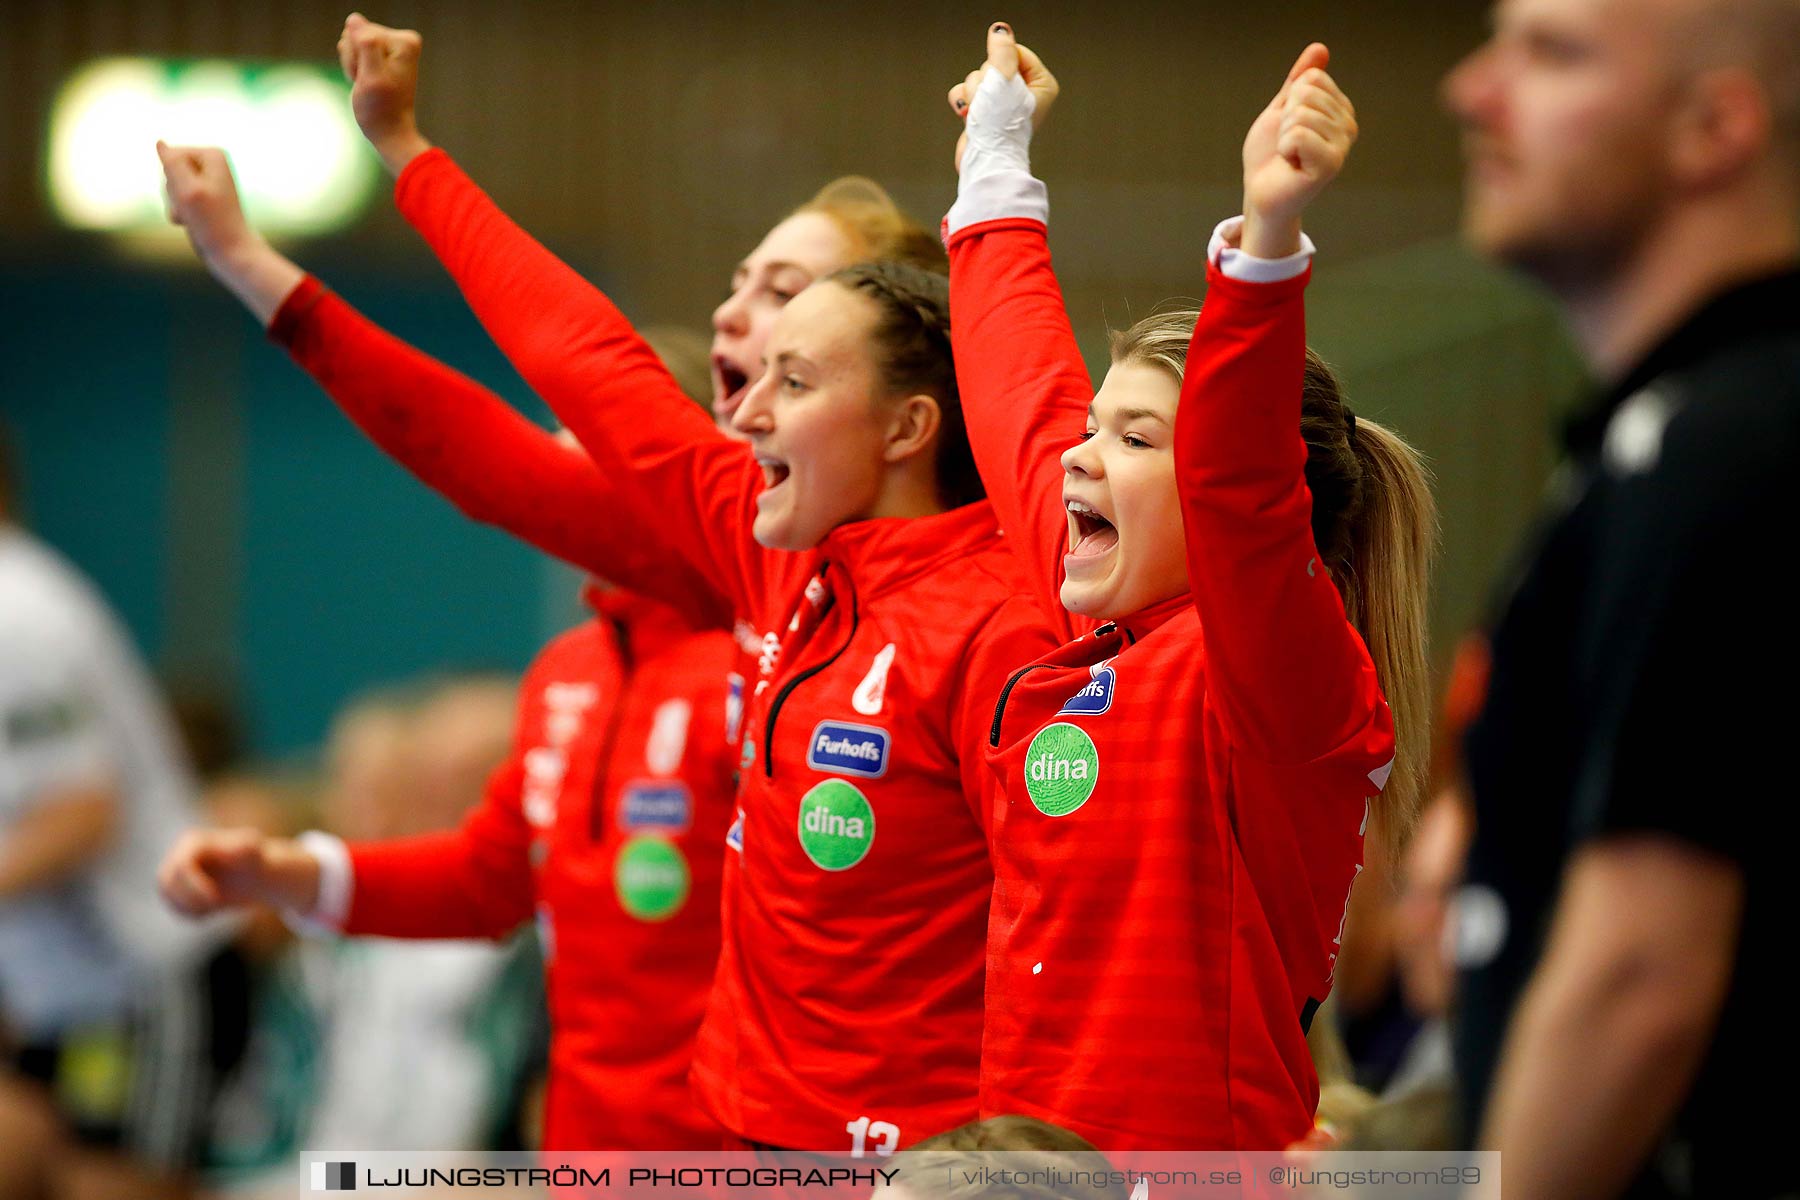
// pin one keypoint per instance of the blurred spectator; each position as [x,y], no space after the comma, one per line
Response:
[209,727]
[368,764]
[1341,1101]
[688,355]
[427,1041]
[1625,928]
[1429,876]
[259,1121]
[1371,1014]
[112,1011]
[1393,978]
[1417,1109]
[375,1044]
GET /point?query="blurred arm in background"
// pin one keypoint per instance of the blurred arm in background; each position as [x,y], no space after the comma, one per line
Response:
[63,833]
[1622,1008]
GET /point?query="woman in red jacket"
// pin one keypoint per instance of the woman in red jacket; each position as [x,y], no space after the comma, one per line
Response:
[606,819]
[1186,783]
[603,822]
[846,1008]
[628,980]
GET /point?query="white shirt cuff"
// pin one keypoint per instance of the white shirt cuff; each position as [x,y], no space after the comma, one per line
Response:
[1222,251]
[994,196]
[336,879]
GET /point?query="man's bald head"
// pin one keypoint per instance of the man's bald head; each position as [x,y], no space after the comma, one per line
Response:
[1595,128]
[1761,36]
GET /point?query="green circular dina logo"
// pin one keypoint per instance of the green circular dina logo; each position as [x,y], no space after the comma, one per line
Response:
[837,826]
[651,878]
[1061,769]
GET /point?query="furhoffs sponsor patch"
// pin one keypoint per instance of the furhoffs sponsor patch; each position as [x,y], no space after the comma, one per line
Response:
[1095,697]
[845,749]
[663,804]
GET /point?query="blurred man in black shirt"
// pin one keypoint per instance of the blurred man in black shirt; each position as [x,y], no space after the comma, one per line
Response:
[1623,1019]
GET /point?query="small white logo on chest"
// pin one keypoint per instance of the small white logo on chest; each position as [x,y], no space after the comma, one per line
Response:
[668,736]
[872,691]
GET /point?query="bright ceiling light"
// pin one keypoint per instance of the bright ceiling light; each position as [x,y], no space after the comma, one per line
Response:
[301,165]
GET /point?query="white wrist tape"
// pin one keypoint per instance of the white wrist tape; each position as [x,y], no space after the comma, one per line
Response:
[999,125]
[996,177]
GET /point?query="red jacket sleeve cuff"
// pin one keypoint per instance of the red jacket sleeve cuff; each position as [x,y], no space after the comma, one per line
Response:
[295,309]
[413,175]
[998,225]
[1251,295]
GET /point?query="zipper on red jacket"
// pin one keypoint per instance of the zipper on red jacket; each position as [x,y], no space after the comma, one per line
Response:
[768,755]
[1112,627]
[1005,694]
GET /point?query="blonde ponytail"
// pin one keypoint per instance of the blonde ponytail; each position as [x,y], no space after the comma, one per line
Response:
[1386,584]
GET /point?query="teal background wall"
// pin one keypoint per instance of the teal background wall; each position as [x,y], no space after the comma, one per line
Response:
[255,543]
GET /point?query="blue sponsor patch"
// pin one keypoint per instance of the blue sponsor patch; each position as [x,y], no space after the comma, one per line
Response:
[734,705]
[1095,697]
[656,804]
[734,837]
[846,749]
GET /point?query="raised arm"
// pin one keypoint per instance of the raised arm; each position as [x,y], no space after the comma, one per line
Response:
[455,435]
[479,452]
[692,486]
[1289,673]
[1025,388]
[471,881]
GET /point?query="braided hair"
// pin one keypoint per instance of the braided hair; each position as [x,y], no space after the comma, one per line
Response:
[912,340]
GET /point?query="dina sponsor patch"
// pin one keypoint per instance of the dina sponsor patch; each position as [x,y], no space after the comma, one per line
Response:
[1061,768]
[837,826]
[651,878]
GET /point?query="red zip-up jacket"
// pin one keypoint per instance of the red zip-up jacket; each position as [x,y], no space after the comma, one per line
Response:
[1184,789]
[632,707]
[606,821]
[846,1012]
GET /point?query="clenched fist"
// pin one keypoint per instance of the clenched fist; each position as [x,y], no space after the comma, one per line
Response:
[211,870]
[382,65]
[1296,146]
[1010,59]
[203,199]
